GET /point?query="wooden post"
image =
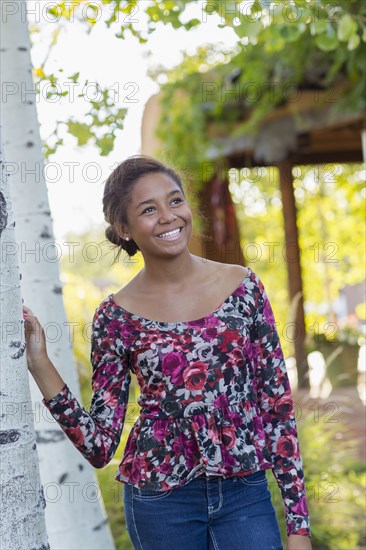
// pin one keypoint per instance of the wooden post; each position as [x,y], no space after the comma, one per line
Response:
[221,239]
[292,257]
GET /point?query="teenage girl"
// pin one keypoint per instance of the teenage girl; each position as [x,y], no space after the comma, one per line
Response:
[216,404]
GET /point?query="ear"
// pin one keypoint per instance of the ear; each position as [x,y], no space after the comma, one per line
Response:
[123,231]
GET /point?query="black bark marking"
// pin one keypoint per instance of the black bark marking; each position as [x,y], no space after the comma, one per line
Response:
[62,478]
[43,547]
[34,446]
[81,467]
[3,213]
[41,503]
[22,49]
[21,348]
[29,144]
[57,289]
[100,525]
[20,276]
[45,233]
[49,436]
[15,344]
[9,436]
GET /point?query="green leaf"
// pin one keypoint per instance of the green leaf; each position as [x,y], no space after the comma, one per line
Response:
[318,27]
[327,41]
[248,28]
[353,42]
[346,28]
[121,114]
[105,144]
[292,32]
[81,131]
[74,77]
[192,23]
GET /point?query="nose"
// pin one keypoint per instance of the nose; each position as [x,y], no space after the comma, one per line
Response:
[167,216]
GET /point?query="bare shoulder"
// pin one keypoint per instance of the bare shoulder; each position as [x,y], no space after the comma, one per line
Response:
[234,274]
[233,270]
[236,270]
[228,275]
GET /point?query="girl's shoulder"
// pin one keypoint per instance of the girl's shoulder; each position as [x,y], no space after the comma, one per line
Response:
[226,274]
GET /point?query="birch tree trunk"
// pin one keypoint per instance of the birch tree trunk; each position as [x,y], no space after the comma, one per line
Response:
[22,519]
[75,513]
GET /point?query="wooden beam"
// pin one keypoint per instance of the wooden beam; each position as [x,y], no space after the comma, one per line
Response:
[292,258]
[299,158]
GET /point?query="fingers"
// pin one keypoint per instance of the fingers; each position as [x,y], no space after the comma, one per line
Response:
[27,311]
[29,317]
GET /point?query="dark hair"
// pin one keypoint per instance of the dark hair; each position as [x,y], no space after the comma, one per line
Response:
[117,195]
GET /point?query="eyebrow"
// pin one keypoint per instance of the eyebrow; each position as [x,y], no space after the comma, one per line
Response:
[153,200]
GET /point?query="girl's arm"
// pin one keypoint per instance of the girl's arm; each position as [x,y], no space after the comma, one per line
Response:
[275,401]
[96,434]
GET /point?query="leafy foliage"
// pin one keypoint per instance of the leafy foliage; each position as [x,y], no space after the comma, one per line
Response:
[279,48]
[104,117]
[330,203]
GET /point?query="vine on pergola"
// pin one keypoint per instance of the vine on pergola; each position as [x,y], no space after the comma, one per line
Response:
[281,47]
[275,60]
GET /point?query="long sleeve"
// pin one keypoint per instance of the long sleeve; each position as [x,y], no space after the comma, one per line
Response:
[275,400]
[96,434]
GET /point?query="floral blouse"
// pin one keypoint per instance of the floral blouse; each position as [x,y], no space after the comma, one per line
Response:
[215,398]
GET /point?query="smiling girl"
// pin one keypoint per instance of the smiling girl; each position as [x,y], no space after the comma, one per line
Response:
[216,404]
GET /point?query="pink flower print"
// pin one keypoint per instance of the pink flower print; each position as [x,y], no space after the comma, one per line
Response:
[287,446]
[195,375]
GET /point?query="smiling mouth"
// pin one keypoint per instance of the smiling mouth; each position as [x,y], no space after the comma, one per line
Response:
[170,235]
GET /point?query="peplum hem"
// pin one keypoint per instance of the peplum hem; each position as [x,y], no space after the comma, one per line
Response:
[163,453]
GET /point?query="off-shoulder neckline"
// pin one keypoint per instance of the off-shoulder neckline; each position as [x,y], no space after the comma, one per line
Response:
[110,299]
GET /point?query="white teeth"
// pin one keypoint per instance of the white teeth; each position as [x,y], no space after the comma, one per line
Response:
[169,234]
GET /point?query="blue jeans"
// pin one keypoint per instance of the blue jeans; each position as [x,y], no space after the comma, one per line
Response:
[206,514]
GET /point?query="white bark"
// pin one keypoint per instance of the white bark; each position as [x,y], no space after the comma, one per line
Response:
[22,520]
[75,513]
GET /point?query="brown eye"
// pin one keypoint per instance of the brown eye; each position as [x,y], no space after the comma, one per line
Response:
[147,209]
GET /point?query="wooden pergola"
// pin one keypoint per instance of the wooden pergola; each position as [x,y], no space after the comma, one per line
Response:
[305,132]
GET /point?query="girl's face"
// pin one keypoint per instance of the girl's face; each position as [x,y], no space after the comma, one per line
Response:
[159,217]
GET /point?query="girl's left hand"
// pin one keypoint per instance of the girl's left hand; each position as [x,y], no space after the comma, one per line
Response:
[298,542]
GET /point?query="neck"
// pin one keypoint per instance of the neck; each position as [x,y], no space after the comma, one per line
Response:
[170,272]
